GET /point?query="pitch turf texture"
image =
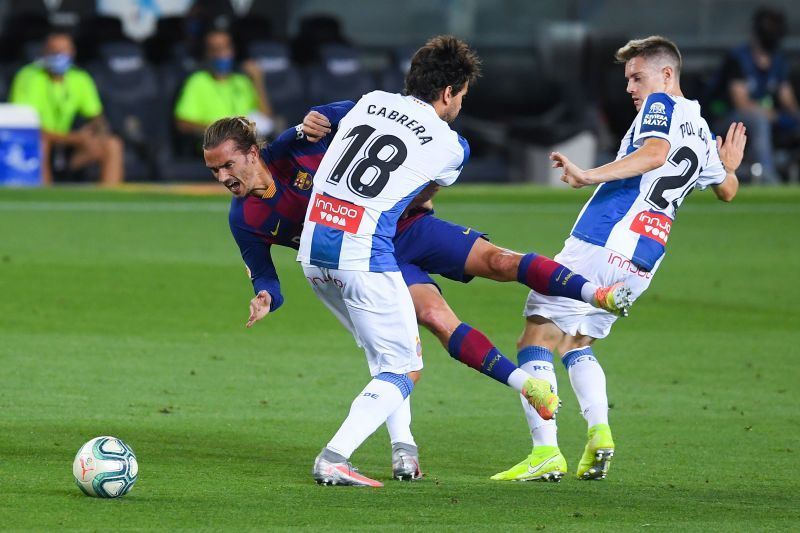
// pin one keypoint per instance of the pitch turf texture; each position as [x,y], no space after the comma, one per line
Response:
[123,313]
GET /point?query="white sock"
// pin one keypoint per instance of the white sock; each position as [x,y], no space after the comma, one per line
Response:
[399,424]
[587,292]
[589,383]
[369,410]
[517,379]
[538,362]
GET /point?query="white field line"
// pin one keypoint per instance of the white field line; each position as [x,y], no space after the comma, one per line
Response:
[208,207]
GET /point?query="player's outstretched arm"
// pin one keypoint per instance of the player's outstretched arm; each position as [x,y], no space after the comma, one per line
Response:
[259,308]
[731,152]
[651,155]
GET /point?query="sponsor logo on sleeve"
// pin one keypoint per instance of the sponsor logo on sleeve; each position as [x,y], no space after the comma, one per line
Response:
[652,225]
[656,116]
[336,214]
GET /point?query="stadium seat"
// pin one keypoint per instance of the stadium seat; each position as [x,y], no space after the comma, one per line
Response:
[128,86]
[315,32]
[175,161]
[392,78]
[19,30]
[248,30]
[168,37]
[283,81]
[93,33]
[340,76]
[4,84]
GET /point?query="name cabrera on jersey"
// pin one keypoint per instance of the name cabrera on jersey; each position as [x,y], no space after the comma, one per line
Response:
[386,150]
[634,216]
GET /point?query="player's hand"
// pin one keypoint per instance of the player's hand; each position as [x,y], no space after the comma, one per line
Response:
[732,150]
[259,308]
[315,126]
[573,174]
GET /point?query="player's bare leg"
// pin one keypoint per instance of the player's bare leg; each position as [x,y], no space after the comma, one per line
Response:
[471,347]
[544,276]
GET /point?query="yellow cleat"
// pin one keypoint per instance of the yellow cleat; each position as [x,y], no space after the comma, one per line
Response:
[598,453]
[540,395]
[545,463]
[616,299]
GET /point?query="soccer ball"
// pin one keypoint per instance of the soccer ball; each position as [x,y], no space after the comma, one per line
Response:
[105,467]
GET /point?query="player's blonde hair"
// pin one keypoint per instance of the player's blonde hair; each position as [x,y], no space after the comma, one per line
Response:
[651,47]
[241,130]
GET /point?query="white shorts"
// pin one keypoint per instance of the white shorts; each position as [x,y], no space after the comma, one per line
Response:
[600,266]
[376,308]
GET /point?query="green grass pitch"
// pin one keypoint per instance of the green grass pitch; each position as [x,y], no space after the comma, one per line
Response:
[123,313]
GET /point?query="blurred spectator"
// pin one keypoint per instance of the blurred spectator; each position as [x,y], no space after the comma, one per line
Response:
[754,88]
[217,92]
[60,92]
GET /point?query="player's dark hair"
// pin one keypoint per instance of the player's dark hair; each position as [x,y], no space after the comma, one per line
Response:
[241,130]
[443,61]
[649,47]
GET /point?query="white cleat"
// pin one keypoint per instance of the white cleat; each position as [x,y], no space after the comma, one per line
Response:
[405,462]
[328,472]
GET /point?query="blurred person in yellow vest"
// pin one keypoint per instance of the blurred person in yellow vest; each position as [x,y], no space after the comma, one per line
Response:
[60,92]
[217,91]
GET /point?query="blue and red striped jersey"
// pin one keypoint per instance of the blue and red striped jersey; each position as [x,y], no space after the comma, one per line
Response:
[277,219]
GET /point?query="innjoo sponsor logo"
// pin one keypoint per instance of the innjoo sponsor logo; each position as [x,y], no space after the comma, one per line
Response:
[335,213]
[653,225]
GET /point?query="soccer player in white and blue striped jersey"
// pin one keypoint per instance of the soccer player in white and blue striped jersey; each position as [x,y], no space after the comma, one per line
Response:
[387,149]
[620,235]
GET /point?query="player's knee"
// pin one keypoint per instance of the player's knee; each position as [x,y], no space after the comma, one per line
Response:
[434,318]
[573,343]
[535,335]
[502,264]
[415,376]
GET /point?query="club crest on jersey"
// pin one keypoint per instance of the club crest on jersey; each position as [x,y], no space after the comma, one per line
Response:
[303,180]
[653,226]
[336,214]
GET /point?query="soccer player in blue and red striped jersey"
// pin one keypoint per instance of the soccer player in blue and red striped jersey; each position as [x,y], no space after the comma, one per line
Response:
[271,189]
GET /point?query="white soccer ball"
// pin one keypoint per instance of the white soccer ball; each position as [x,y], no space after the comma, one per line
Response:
[105,467]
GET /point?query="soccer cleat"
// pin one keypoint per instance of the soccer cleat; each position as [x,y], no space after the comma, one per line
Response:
[327,472]
[540,395]
[545,463]
[598,453]
[405,462]
[616,299]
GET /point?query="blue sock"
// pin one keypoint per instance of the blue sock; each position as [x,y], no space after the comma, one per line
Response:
[475,350]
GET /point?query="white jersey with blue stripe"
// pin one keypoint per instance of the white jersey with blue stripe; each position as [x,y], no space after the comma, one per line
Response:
[386,150]
[634,216]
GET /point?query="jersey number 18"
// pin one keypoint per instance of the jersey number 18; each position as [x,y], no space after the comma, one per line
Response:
[370,173]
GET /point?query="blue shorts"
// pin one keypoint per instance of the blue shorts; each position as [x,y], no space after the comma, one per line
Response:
[430,245]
